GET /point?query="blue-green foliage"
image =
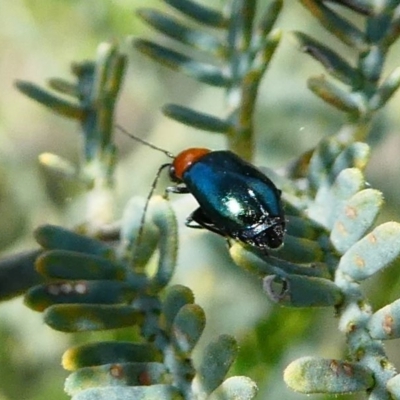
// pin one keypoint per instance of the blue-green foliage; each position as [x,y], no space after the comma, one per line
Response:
[366,91]
[98,277]
[114,292]
[240,49]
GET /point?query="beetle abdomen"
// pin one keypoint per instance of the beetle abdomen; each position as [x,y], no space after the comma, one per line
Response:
[236,196]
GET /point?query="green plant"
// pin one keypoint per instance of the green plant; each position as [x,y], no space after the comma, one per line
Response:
[98,277]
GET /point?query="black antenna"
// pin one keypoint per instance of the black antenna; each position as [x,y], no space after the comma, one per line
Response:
[153,185]
[140,140]
[146,205]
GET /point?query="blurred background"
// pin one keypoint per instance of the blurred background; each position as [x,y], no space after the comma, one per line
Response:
[38,40]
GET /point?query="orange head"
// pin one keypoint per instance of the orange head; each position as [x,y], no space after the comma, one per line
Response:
[185,159]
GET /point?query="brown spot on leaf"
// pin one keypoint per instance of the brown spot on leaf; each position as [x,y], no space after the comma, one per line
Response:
[359,261]
[348,369]
[372,238]
[351,327]
[117,371]
[351,212]
[145,378]
[387,324]
[341,228]
[334,366]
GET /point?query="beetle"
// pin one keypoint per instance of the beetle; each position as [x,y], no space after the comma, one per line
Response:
[236,200]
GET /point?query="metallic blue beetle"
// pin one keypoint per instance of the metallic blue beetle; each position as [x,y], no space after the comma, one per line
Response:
[236,199]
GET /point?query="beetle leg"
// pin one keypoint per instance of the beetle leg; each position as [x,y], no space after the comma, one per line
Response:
[202,222]
[192,221]
[180,189]
[191,224]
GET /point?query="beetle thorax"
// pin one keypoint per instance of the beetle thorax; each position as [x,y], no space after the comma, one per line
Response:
[185,159]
